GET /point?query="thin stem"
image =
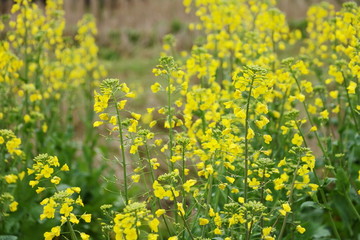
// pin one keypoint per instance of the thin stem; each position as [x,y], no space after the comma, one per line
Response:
[170,122]
[327,159]
[246,140]
[323,196]
[247,152]
[183,171]
[122,153]
[183,218]
[350,105]
[352,206]
[262,195]
[153,179]
[71,230]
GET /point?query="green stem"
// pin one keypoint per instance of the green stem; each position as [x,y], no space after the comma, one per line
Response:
[170,123]
[183,172]
[71,230]
[246,140]
[350,105]
[122,153]
[153,179]
[262,195]
[327,159]
[323,197]
[247,153]
[183,218]
[352,206]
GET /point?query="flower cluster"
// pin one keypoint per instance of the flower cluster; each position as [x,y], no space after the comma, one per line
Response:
[253,137]
[44,75]
[39,69]
[11,171]
[62,203]
[129,223]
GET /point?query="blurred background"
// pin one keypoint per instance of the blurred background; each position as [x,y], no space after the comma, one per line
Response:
[130,32]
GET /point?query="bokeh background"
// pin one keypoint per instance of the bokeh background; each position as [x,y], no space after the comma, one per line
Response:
[130,32]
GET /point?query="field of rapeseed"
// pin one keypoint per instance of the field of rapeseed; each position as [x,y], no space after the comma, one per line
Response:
[257,135]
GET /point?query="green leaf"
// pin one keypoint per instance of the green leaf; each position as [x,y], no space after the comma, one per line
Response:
[8,237]
[322,232]
[342,181]
[309,204]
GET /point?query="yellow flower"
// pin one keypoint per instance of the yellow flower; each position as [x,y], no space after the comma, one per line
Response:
[152,236]
[300,229]
[351,88]
[334,94]
[254,183]
[33,183]
[284,130]
[84,236]
[324,114]
[250,134]
[173,238]
[98,123]
[131,234]
[267,139]
[261,108]
[44,128]
[230,179]
[113,120]
[152,123]
[73,218]
[180,209]
[155,87]
[79,201]
[11,178]
[313,129]
[55,232]
[160,212]
[188,184]
[130,95]
[136,115]
[27,118]
[40,189]
[266,231]
[21,175]
[76,189]
[12,146]
[135,178]
[104,116]
[203,221]
[153,224]
[285,209]
[49,210]
[66,209]
[13,206]
[86,217]
[217,231]
[47,171]
[55,180]
[297,140]
[65,168]
[159,191]
[269,198]
[121,104]
[124,88]
[133,126]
